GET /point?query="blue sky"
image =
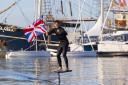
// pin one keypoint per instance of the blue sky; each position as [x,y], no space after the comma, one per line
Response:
[16,14]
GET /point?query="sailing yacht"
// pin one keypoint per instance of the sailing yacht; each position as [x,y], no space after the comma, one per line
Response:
[15,42]
[69,21]
[110,30]
[116,41]
[76,47]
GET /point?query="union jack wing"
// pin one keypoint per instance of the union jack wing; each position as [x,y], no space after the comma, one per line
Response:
[32,31]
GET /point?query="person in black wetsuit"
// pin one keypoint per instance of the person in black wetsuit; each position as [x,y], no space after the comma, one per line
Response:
[63,45]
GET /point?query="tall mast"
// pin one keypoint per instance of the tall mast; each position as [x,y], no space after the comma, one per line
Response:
[62,9]
[102,17]
[106,16]
[38,8]
[102,10]
[38,4]
[70,6]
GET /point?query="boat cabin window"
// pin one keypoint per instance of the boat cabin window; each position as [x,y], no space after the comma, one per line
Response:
[126,37]
[120,38]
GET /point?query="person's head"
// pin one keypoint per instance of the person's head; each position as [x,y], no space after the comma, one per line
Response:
[57,23]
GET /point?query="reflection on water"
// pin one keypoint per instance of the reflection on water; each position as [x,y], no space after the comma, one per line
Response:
[85,71]
[25,71]
[113,70]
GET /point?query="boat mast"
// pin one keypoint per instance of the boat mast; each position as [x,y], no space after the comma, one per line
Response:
[38,9]
[70,6]
[38,13]
[102,10]
[102,16]
[62,9]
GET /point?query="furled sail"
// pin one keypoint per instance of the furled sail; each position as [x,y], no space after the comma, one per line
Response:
[96,29]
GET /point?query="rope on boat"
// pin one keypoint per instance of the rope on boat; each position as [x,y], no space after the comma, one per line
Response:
[30,47]
[23,14]
[79,18]
[101,35]
[8,8]
[13,4]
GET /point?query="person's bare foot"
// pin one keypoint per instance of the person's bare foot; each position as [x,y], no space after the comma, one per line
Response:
[59,69]
[67,69]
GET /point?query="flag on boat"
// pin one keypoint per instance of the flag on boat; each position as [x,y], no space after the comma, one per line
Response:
[37,28]
[122,3]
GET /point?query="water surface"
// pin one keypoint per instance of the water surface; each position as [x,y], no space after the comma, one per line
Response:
[85,71]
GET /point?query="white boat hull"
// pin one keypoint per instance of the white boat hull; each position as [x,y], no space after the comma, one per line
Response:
[82,54]
[78,53]
[75,50]
[27,54]
[112,49]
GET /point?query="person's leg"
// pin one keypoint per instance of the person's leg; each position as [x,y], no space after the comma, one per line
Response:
[58,57]
[65,49]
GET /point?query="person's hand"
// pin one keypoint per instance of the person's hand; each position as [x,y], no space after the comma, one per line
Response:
[46,33]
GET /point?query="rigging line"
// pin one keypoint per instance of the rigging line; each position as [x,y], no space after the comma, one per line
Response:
[13,4]
[8,8]
[5,17]
[23,14]
[63,14]
[84,12]
[89,38]
[30,47]
[101,34]
[35,9]
[79,16]
[56,10]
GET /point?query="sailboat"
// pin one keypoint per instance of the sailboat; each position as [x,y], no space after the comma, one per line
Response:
[76,49]
[110,31]
[115,42]
[19,46]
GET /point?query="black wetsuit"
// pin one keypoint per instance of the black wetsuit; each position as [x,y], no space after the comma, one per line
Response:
[63,46]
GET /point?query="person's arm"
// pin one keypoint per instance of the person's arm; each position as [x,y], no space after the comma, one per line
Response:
[50,32]
[52,29]
[63,32]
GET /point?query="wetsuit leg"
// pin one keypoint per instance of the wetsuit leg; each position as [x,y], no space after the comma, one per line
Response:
[58,56]
[65,49]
